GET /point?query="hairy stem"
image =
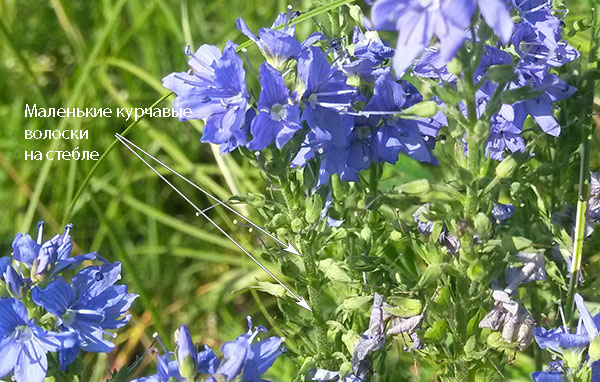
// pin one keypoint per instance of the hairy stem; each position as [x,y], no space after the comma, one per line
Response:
[314,293]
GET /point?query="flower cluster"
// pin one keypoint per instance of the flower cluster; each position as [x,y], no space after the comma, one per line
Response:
[539,47]
[40,312]
[418,21]
[241,358]
[571,347]
[347,128]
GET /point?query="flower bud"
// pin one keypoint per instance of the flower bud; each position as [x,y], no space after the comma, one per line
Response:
[594,349]
[256,200]
[187,357]
[454,66]
[507,167]
[280,220]
[416,187]
[314,206]
[483,226]
[297,225]
[426,109]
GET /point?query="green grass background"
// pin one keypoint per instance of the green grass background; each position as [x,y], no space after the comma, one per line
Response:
[113,53]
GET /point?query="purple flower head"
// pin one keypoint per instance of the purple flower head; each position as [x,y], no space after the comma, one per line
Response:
[424,226]
[278,45]
[371,53]
[254,359]
[541,107]
[538,14]
[23,345]
[536,49]
[418,21]
[168,369]
[502,212]
[506,127]
[278,113]
[325,95]
[413,137]
[561,341]
[548,376]
[369,46]
[215,91]
[491,56]
[89,306]
[48,258]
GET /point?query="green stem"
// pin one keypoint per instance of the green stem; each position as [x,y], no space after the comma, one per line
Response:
[373,182]
[468,90]
[584,173]
[314,293]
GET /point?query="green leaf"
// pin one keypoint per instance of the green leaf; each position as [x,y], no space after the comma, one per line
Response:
[437,332]
[356,302]
[403,307]
[271,288]
[333,271]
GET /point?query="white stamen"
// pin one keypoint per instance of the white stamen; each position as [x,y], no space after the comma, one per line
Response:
[40,232]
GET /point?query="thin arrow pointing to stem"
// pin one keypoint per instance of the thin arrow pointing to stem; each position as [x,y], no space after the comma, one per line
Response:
[286,247]
[300,300]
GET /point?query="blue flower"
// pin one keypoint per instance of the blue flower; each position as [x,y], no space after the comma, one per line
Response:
[89,306]
[413,137]
[369,46]
[502,212]
[278,46]
[49,258]
[23,345]
[254,359]
[325,96]
[278,113]
[541,107]
[505,132]
[570,345]
[418,21]
[168,369]
[371,53]
[539,50]
[538,14]
[187,356]
[214,91]
[548,376]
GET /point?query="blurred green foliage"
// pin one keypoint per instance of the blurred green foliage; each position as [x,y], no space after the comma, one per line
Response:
[113,53]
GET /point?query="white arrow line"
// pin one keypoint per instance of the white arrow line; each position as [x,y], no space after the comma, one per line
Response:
[286,247]
[300,300]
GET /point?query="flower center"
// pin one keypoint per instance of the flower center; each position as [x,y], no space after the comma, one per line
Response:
[23,333]
[431,4]
[69,317]
[278,112]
